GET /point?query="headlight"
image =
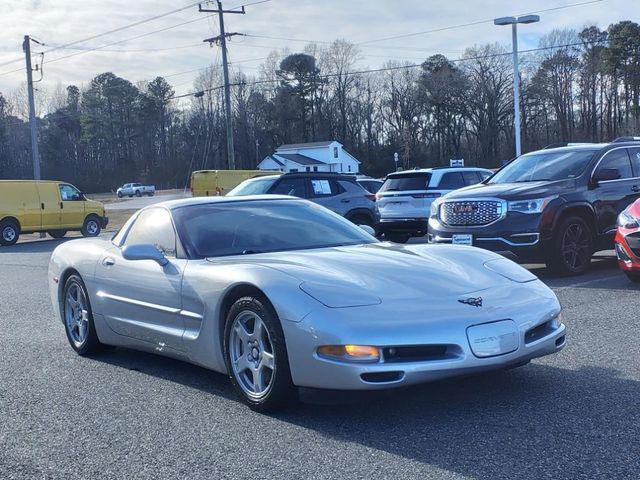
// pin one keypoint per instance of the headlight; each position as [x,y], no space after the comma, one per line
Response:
[626,220]
[536,205]
[350,353]
[433,212]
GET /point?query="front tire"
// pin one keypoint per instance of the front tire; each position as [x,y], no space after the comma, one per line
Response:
[138,193]
[397,237]
[91,227]
[57,233]
[9,232]
[120,195]
[256,355]
[78,318]
[572,248]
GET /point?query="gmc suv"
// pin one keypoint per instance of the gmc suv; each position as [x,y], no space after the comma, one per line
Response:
[557,205]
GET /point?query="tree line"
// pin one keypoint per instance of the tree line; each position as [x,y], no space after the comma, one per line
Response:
[576,86]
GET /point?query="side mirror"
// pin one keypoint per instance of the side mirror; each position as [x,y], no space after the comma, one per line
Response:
[144,251]
[606,174]
[368,229]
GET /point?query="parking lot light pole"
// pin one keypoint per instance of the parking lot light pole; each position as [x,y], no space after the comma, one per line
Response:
[514,21]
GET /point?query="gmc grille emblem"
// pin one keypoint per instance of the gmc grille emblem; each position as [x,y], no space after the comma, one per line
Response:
[464,208]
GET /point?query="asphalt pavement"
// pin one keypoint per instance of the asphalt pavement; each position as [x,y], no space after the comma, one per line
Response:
[125,414]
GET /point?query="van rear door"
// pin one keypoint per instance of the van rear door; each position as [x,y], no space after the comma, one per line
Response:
[27,202]
[49,205]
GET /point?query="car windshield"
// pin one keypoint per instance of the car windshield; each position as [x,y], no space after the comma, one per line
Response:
[544,166]
[242,228]
[256,186]
[406,181]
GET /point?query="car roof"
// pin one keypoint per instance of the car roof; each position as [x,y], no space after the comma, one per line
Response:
[438,169]
[188,202]
[574,147]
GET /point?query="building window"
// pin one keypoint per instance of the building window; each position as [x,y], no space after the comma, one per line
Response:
[293,170]
[335,152]
[315,169]
[349,167]
[308,169]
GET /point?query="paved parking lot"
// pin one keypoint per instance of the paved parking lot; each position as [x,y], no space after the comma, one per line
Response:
[125,414]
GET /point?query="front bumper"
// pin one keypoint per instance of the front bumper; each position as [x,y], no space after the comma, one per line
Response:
[104,221]
[627,245]
[537,333]
[521,237]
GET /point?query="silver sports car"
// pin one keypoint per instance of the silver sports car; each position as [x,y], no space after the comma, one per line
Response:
[281,293]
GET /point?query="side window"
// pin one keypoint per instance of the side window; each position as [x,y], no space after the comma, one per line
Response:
[451,181]
[335,152]
[484,175]
[154,226]
[471,178]
[322,187]
[618,159]
[290,186]
[69,193]
[634,153]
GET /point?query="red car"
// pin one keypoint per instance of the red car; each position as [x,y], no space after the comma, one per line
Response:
[628,241]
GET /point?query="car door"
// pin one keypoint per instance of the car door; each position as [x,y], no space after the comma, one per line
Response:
[329,194]
[29,208]
[71,206]
[613,196]
[50,205]
[142,299]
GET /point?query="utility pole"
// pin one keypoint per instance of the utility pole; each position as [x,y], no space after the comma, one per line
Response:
[222,39]
[35,154]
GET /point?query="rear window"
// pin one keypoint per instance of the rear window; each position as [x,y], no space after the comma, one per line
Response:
[252,187]
[406,181]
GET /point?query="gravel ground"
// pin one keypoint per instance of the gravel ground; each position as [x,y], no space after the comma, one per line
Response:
[125,414]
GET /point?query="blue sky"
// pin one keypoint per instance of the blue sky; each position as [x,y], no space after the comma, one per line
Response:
[56,22]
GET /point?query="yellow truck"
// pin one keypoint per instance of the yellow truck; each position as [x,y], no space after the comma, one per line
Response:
[28,206]
[209,183]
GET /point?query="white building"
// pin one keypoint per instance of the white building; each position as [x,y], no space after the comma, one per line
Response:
[327,156]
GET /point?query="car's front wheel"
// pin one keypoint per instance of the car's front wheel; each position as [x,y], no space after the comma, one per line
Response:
[78,318]
[119,194]
[138,193]
[9,232]
[572,247]
[256,355]
[91,227]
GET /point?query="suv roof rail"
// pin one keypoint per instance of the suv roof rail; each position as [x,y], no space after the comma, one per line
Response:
[565,144]
[626,139]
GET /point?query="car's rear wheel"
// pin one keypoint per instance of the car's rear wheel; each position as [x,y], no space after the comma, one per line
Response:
[57,233]
[397,237]
[361,219]
[138,193]
[571,248]
[91,227]
[256,355]
[9,232]
[633,276]
[78,318]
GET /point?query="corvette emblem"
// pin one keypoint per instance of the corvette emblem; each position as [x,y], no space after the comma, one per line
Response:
[473,301]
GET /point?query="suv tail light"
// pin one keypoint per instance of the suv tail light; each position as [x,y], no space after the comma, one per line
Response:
[371,197]
[426,195]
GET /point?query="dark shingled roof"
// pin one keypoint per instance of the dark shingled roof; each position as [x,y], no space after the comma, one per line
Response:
[300,159]
[276,160]
[306,145]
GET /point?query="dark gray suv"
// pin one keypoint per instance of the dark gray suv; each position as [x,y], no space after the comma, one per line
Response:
[335,191]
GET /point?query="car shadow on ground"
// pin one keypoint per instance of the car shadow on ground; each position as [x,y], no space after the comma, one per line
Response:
[534,422]
[43,245]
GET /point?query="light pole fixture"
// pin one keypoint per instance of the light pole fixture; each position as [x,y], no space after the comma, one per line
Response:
[514,21]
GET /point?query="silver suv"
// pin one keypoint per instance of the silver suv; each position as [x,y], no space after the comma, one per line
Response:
[337,192]
[404,200]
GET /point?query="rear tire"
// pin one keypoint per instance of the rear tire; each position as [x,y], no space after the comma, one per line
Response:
[397,237]
[571,248]
[360,219]
[57,233]
[9,232]
[91,227]
[256,355]
[138,193]
[633,276]
[78,318]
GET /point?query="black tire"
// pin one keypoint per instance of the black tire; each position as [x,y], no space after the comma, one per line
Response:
[151,194]
[119,194]
[92,226]
[361,219]
[397,237]
[281,391]
[9,232]
[633,276]
[57,233]
[90,343]
[571,249]
[138,193]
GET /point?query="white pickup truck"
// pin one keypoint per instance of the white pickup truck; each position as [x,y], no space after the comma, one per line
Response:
[137,189]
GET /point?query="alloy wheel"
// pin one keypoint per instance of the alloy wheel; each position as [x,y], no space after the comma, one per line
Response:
[576,246]
[252,354]
[76,314]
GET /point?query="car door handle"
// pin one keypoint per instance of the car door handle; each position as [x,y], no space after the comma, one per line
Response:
[42,206]
[635,188]
[108,262]
[61,205]
[345,200]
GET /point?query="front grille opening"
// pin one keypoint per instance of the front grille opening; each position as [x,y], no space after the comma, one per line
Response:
[382,377]
[419,353]
[560,341]
[524,238]
[470,213]
[540,331]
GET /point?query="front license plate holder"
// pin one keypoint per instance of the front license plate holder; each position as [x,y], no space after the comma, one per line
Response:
[493,339]
[462,239]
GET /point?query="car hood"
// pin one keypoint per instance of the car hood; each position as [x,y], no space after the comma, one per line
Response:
[513,191]
[381,272]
